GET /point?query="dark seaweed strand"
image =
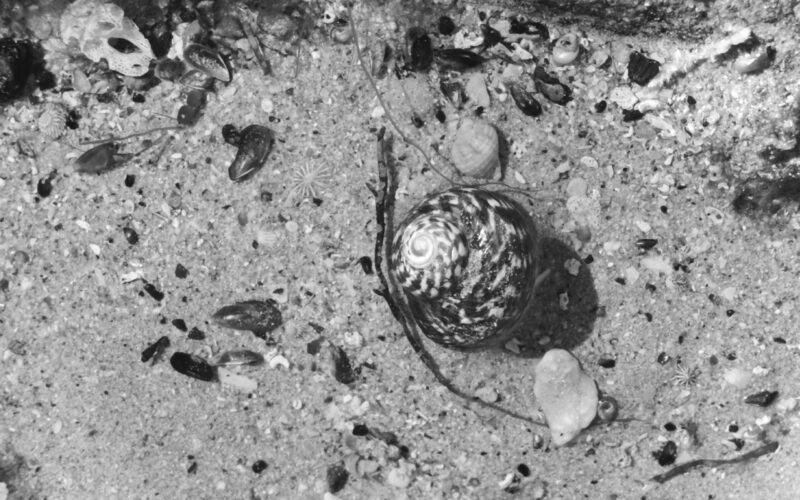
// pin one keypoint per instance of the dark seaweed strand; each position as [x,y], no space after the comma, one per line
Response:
[709,462]
[384,212]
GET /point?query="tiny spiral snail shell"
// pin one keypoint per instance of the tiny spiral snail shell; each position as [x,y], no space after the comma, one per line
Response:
[466,261]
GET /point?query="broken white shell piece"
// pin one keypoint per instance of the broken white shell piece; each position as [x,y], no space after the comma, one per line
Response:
[100,29]
[232,379]
[567,395]
[279,361]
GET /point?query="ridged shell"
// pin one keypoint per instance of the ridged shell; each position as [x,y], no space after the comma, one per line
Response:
[466,261]
[52,121]
[476,149]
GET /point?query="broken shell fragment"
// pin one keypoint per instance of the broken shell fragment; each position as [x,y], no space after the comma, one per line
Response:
[238,358]
[237,381]
[607,409]
[642,69]
[193,366]
[551,87]
[207,60]
[476,147]
[754,62]
[567,395]
[257,316]
[525,100]
[566,50]
[457,59]
[255,143]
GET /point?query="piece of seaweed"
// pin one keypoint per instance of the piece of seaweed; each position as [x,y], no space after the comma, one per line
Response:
[710,462]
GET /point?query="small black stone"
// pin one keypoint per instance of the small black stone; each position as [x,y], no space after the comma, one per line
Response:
[524,470]
[738,442]
[667,454]
[663,358]
[779,340]
[196,334]
[631,115]
[180,324]
[670,427]
[366,264]
[691,100]
[620,280]
[763,398]
[259,466]
[337,477]
[646,243]
[607,362]
[446,25]
[131,235]
[342,369]
[440,115]
[648,316]
[130,180]
[600,106]
[181,272]
[138,98]
[154,292]
[45,185]
[733,428]
[360,430]
[154,350]
[650,287]
[730,312]
[315,346]
[265,196]
[230,134]
[192,468]
[642,69]
[589,259]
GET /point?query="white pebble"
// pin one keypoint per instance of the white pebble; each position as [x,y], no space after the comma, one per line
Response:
[737,377]
[235,380]
[573,266]
[292,226]
[476,90]
[642,225]
[487,394]
[266,105]
[377,112]
[657,264]
[631,275]
[353,339]
[589,162]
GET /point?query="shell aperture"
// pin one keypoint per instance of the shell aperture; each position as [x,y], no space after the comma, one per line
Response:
[465,259]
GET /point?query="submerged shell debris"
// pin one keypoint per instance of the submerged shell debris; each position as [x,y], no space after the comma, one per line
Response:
[255,144]
[476,148]
[525,100]
[257,316]
[566,49]
[238,358]
[208,61]
[193,366]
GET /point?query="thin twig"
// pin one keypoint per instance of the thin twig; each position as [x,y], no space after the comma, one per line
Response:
[709,462]
[138,134]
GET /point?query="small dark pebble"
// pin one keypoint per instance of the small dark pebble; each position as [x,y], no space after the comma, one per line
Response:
[154,292]
[337,477]
[738,443]
[192,366]
[259,466]
[180,324]
[446,25]
[642,69]
[650,287]
[730,312]
[551,87]
[525,101]
[713,360]
[588,259]
[73,119]
[131,235]
[316,201]
[599,107]
[524,470]
[779,340]
[646,243]
[691,100]
[733,428]
[670,427]
[366,264]
[360,430]
[763,398]
[130,180]
[440,115]
[420,49]
[607,362]
[667,454]
[192,468]
[138,98]
[317,328]
[620,280]
[663,358]
[45,185]
[731,356]
[342,369]
[257,316]
[491,36]
[315,346]
[265,196]
[230,134]
[417,121]
[4,285]
[196,334]
[631,115]
[154,350]
[181,272]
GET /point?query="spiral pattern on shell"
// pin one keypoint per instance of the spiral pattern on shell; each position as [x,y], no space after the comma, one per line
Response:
[466,260]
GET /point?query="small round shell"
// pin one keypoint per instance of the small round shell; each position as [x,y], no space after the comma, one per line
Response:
[476,149]
[566,50]
[52,121]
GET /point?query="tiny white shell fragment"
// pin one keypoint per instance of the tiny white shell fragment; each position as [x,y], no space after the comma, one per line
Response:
[377,112]
[519,178]
[131,277]
[589,162]
[232,379]
[95,249]
[642,225]
[657,264]
[573,266]
[279,361]
[566,49]
[83,225]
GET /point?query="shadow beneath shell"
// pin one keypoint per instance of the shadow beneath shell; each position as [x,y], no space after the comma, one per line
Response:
[564,307]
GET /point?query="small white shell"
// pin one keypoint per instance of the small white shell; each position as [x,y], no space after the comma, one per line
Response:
[476,148]
[52,121]
[566,49]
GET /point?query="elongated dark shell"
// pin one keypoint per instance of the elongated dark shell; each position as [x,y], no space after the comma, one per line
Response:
[207,60]
[466,261]
[525,100]
[255,143]
[457,59]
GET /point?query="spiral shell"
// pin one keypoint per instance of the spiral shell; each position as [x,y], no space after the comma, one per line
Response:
[566,50]
[476,148]
[466,261]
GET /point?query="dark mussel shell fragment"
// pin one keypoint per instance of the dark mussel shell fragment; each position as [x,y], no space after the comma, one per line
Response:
[550,87]
[522,26]
[207,61]
[642,69]
[231,134]
[155,350]
[169,69]
[238,358]
[420,50]
[457,59]
[381,69]
[342,369]
[454,92]
[491,36]
[446,25]
[189,114]
[193,366]
[97,160]
[525,100]
[255,143]
[257,316]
